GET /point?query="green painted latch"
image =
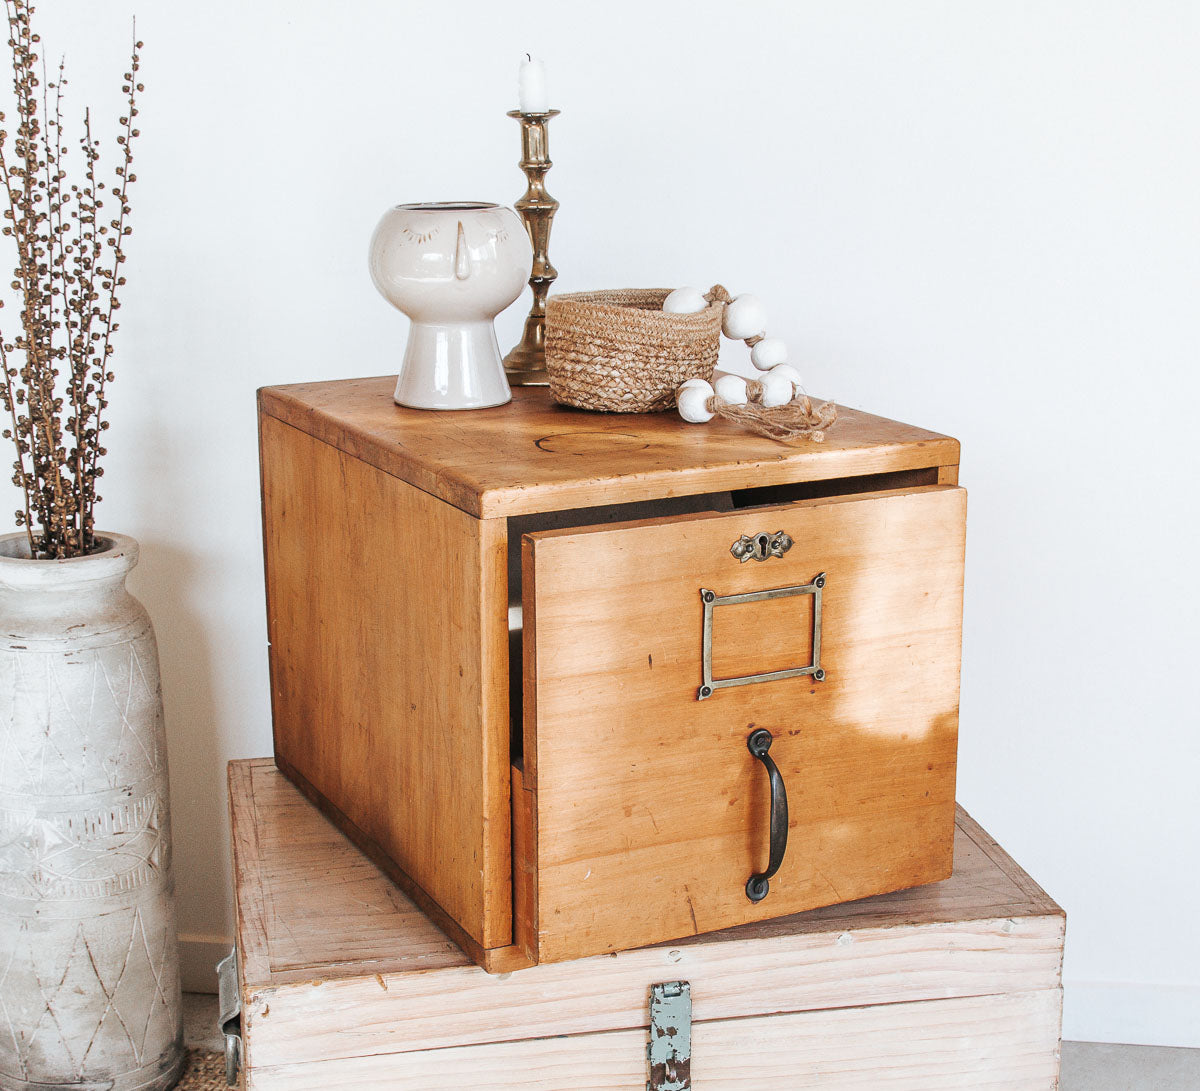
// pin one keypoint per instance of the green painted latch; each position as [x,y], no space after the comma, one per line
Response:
[670,1046]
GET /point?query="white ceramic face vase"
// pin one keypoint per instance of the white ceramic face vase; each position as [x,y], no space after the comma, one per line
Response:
[451,267]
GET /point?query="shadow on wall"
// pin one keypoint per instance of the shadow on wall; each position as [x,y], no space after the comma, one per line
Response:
[169,585]
[168,580]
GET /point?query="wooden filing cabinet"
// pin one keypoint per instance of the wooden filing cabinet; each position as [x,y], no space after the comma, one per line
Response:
[519,656]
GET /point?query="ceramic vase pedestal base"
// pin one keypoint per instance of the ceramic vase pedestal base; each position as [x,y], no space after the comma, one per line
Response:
[452,367]
[89,968]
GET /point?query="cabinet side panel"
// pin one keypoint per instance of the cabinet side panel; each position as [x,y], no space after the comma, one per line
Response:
[389,668]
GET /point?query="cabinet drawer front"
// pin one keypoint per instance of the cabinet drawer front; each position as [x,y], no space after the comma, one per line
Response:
[650,813]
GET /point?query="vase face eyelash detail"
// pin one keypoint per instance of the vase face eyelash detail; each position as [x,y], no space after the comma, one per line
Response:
[419,237]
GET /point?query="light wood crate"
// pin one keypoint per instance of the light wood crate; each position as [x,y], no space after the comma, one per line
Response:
[346,984]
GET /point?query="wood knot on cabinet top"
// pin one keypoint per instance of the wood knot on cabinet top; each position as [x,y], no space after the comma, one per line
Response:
[590,443]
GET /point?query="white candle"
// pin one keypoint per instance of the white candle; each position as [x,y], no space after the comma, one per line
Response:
[531,87]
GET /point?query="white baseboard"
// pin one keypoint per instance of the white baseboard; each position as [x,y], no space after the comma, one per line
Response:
[198,958]
[1134,1013]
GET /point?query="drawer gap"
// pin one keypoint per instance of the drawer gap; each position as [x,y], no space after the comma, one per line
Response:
[835,486]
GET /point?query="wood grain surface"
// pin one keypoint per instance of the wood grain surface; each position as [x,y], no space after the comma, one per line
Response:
[337,965]
[985,1043]
[651,814]
[535,456]
[389,671]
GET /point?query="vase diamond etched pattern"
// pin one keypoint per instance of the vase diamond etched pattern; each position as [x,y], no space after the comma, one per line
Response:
[89,970]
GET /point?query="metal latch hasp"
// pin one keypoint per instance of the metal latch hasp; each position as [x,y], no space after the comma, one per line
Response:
[231,1015]
[670,1047]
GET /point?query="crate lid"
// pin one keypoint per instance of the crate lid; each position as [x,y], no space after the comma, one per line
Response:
[336,963]
[534,456]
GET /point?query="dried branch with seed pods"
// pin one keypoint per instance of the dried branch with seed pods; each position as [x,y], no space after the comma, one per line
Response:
[70,246]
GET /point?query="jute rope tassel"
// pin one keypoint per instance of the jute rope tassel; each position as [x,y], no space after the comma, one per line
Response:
[799,418]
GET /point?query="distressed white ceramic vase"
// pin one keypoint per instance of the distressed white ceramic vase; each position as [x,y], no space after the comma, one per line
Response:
[451,267]
[89,969]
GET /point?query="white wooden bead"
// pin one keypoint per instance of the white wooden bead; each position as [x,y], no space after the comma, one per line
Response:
[685,301]
[693,402]
[695,382]
[768,353]
[744,317]
[792,374]
[731,389]
[776,389]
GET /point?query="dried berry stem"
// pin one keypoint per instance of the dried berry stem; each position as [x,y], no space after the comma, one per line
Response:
[20,478]
[67,273]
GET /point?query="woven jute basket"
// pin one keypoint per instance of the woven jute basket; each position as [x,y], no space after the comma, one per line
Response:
[617,351]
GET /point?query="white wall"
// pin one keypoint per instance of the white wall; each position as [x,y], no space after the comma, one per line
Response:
[980,217]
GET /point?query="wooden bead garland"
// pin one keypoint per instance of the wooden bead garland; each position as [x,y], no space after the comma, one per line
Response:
[776,406]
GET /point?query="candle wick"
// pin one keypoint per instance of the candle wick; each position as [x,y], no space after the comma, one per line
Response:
[529,56]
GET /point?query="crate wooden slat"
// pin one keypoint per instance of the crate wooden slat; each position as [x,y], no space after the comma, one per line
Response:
[346,983]
[957,1044]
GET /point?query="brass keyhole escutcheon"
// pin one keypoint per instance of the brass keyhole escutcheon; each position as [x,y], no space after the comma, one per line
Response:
[761,546]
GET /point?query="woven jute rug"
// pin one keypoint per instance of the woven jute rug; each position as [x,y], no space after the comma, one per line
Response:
[205,1072]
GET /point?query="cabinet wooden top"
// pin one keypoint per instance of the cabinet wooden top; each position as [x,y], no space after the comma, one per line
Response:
[533,455]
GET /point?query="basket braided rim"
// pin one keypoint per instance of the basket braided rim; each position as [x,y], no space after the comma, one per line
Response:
[616,350]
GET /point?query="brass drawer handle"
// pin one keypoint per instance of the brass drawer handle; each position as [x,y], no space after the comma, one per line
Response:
[758,885]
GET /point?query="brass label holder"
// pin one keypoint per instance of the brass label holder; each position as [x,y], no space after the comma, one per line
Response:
[711,600]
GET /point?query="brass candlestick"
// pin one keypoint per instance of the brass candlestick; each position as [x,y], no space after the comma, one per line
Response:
[525,365]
